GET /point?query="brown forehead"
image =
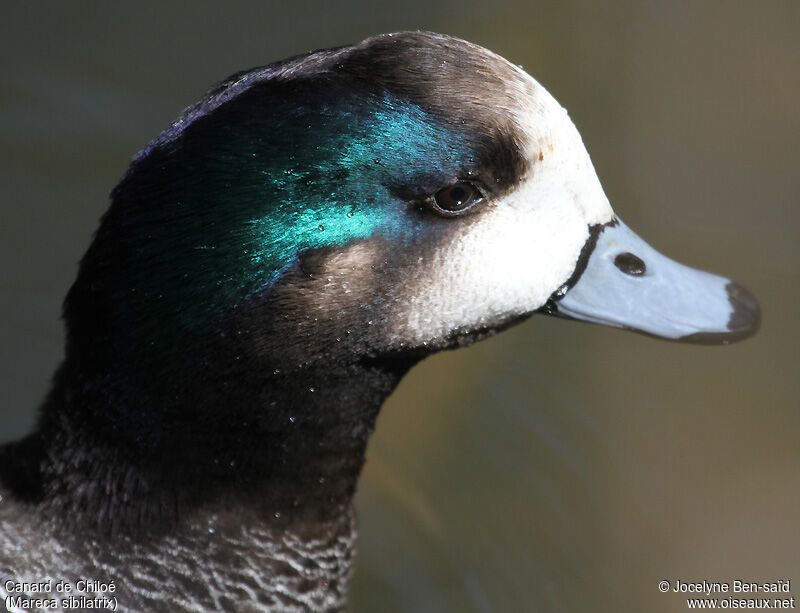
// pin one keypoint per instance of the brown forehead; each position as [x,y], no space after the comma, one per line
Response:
[449,77]
[476,92]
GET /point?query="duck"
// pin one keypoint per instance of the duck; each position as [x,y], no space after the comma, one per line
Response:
[269,268]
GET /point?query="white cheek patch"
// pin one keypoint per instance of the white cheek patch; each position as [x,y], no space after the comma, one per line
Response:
[558,158]
[509,260]
[505,264]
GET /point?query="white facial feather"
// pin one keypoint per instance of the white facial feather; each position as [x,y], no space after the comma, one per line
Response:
[519,251]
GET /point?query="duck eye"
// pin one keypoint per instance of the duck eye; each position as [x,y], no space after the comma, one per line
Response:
[456,198]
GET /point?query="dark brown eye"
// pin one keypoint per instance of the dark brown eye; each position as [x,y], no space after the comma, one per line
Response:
[456,198]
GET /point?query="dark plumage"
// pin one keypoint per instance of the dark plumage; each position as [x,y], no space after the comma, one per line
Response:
[269,268]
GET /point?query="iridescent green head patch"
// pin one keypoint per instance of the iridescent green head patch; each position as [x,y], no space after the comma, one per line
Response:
[216,214]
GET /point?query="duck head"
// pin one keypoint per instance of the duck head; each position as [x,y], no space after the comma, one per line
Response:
[268,269]
[406,194]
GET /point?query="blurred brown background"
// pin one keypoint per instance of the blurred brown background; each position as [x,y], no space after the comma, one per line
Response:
[559,466]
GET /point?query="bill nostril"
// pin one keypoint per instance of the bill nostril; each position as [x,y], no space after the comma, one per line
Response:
[630,264]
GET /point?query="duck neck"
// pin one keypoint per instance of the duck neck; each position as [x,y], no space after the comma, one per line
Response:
[286,445]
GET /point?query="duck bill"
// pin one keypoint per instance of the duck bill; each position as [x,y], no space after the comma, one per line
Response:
[621,281]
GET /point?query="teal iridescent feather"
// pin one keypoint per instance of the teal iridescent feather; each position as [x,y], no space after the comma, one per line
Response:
[236,197]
